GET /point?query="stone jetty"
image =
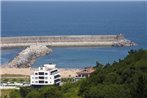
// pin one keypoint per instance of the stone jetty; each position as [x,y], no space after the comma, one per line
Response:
[28,56]
[65,41]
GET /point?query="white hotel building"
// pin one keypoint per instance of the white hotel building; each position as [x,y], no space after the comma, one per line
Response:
[48,74]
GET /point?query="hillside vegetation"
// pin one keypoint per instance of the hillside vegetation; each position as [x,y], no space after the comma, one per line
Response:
[124,79]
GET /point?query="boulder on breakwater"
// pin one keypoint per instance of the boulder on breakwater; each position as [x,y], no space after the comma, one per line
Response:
[124,42]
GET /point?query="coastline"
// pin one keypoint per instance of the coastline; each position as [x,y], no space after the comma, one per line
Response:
[65,73]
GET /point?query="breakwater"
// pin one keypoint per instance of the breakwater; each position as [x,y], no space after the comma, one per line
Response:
[63,41]
[28,56]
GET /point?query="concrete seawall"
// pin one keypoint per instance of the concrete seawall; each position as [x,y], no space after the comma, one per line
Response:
[61,41]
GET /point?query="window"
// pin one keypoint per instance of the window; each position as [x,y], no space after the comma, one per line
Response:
[54,71]
[32,81]
[46,78]
[56,76]
[36,73]
[57,80]
[41,77]
[32,77]
[36,77]
[79,75]
[36,81]
[41,68]
[41,73]
[46,82]
[41,81]
[46,73]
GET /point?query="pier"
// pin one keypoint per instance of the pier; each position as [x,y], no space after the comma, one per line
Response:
[63,41]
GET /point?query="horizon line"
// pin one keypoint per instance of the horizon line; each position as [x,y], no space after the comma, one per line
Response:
[75,0]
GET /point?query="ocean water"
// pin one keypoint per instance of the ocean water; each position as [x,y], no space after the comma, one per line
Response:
[75,18]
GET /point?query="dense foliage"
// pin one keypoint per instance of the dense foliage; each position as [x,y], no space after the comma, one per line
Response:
[68,90]
[124,79]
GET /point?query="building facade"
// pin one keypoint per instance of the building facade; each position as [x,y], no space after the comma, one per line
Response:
[86,72]
[48,74]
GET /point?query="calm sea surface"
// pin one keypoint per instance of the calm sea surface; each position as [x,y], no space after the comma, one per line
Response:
[75,18]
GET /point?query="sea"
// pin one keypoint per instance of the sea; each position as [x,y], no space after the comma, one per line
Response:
[26,18]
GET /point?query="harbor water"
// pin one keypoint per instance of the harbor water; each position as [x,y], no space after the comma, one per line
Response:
[75,18]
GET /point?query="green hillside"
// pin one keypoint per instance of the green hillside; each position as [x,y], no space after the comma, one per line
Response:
[124,79]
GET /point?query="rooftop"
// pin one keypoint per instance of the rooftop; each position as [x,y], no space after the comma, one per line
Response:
[87,70]
[47,67]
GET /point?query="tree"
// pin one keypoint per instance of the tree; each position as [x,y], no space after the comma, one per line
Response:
[33,94]
[50,92]
[24,91]
[15,94]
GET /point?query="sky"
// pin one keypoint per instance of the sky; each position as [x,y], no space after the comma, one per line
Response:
[74,0]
